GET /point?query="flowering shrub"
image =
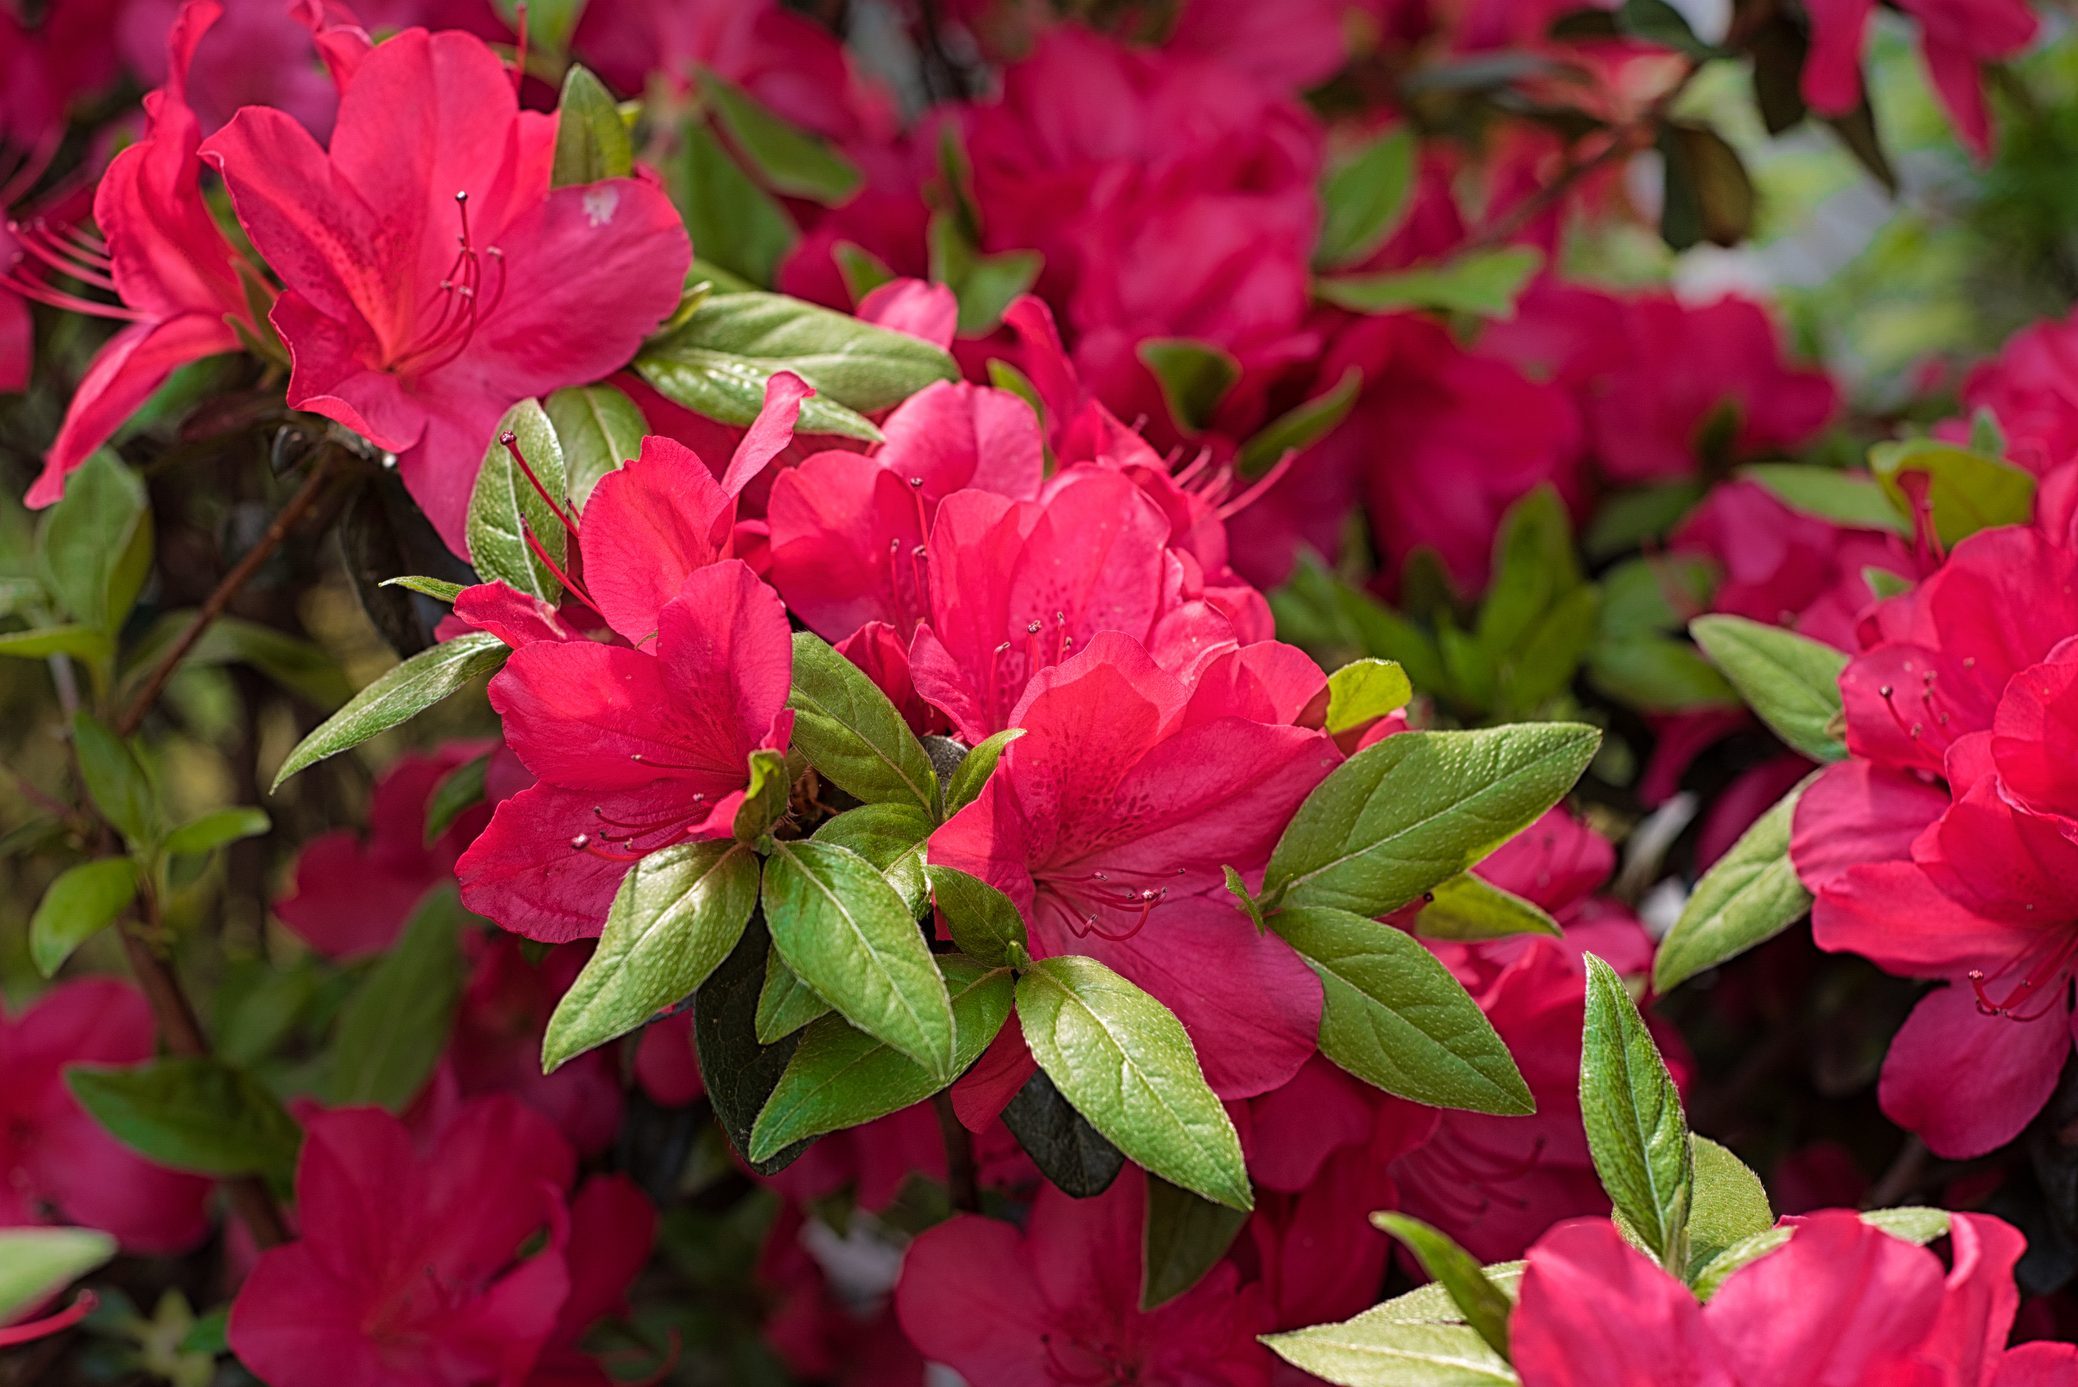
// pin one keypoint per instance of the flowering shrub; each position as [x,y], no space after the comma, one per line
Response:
[1036,693]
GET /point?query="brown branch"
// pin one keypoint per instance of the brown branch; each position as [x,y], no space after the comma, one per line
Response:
[182,1031]
[960,1177]
[290,515]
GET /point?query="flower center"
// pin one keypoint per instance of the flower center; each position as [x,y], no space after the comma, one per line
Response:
[465,302]
[1113,905]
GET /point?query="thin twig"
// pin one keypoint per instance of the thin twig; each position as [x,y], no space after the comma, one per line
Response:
[213,606]
[959,1155]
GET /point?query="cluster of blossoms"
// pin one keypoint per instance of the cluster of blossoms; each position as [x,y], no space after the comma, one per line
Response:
[1090,725]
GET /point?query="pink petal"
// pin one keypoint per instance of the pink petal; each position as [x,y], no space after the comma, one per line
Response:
[1832,70]
[1893,915]
[523,873]
[1595,1312]
[1968,1083]
[913,306]
[770,433]
[647,527]
[1859,812]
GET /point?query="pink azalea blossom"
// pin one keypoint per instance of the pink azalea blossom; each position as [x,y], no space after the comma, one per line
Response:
[57,1165]
[432,278]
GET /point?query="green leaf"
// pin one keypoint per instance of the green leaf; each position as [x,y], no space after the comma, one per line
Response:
[599,428]
[717,363]
[1748,896]
[439,589]
[454,795]
[1372,1351]
[116,781]
[1321,610]
[1632,1112]
[1790,681]
[1194,377]
[79,642]
[840,1077]
[764,796]
[844,931]
[853,735]
[1237,887]
[1365,690]
[1628,519]
[677,915]
[1534,566]
[975,768]
[1654,594]
[82,901]
[191,1114]
[1481,1302]
[592,141]
[1707,194]
[1471,907]
[1301,426]
[1731,1204]
[392,1030]
[983,285]
[861,270]
[504,507]
[1709,1278]
[1414,810]
[1485,283]
[785,1003]
[982,921]
[1656,21]
[1910,1224]
[1844,498]
[739,1073]
[35,1262]
[1364,197]
[1125,1063]
[296,665]
[1393,1015]
[791,160]
[1181,1238]
[892,838]
[740,229]
[398,696]
[1966,491]
[94,547]
[1431,1304]
[1658,674]
[1883,583]
[218,828]
[1072,1155]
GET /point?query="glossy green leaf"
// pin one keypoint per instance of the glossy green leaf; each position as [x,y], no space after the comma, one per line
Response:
[1182,1237]
[35,1262]
[1371,1351]
[677,915]
[1194,377]
[191,1114]
[439,589]
[964,785]
[1125,1063]
[841,1077]
[740,1072]
[982,921]
[392,1031]
[592,141]
[1748,896]
[1471,907]
[892,838]
[80,902]
[504,507]
[738,227]
[398,696]
[842,928]
[852,734]
[1364,197]
[1414,810]
[1393,1015]
[1363,691]
[791,160]
[764,796]
[1632,1112]
[116,781]
[1485,283]
[1791,682]
[599,429]
[1458,1272]
[785,1003]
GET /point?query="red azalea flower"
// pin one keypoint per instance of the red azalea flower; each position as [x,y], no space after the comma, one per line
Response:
[57,1165]
[1110,820]
[1059,1302]
[2031,388]
[414,1265]
[165,259]
[432,277]
[1840,1304]
[1957,37]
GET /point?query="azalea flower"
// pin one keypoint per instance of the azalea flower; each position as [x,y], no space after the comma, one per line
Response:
[1840,1304]
[1110,821]
[57,1164]
[1059,1301]
[1957,38]
[459,1261]
[431,277]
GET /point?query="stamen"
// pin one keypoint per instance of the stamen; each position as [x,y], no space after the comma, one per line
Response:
[2047,968]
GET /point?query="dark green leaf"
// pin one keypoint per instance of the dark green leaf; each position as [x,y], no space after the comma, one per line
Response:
[964,785]
[392,1031]
[1748,896]
[1393,1015]
[1302,426]
[1790,681]
[847,934]
[1658,674]
[852,734]
[1364,197]
[81,902]
[1635,1128]
[1481,282]
[592,141]
[504,507]
[1072,1155]
[401,694]
[1471,907]
[718,362]
[677,915]
[116,781]
[599,428]
[1656,21]
[1857,130]
[1708,195]
[454,795]
[1416,809]
[792,161]
[982,921]
[1181,1238]
[1481,1302]
[739,1073]
[190,1114]
[1125,1063]
[1194,377]
[840,1077]
[439,589]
